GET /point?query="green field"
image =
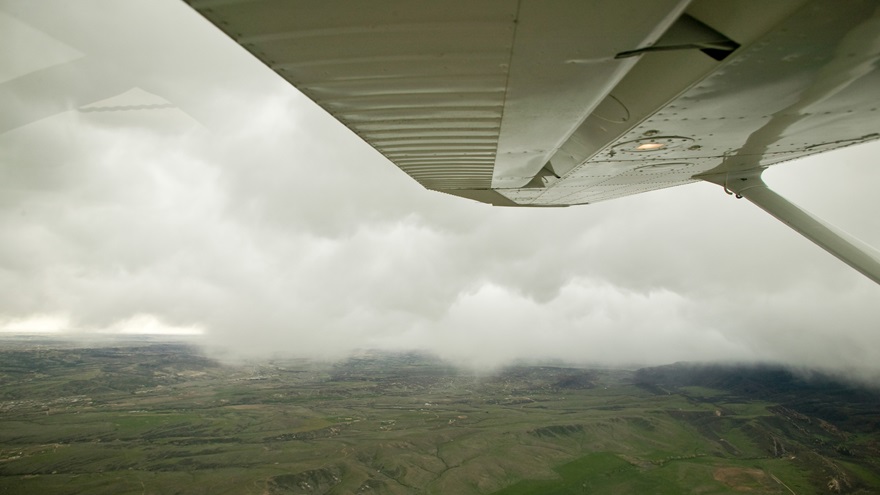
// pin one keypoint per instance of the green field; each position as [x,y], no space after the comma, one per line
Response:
[160,418]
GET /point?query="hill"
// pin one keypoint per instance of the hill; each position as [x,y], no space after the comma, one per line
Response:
[147,417]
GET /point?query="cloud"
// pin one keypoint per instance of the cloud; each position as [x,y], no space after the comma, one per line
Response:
[35,324]
[246,211]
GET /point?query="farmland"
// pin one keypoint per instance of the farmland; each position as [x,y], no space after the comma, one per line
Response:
[150,417]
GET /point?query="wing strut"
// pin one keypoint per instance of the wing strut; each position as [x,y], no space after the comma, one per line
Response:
[845,247]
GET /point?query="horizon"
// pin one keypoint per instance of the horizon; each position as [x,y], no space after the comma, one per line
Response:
[864,379]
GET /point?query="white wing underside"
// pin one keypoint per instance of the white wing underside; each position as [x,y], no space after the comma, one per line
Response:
[546,103]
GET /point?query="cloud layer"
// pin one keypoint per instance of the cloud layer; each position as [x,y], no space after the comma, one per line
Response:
[241,209]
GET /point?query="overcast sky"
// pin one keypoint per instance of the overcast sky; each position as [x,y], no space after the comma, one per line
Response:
[154,177]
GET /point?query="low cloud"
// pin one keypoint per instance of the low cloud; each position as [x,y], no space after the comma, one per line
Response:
[246,212]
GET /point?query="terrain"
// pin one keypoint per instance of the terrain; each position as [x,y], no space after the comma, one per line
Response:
[145,417]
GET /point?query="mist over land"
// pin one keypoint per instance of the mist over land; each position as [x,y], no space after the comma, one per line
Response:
[700,371]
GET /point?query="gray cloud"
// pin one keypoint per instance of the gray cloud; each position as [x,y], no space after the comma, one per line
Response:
[249,212]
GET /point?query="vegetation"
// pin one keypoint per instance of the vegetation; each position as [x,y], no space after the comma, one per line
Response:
[161,418]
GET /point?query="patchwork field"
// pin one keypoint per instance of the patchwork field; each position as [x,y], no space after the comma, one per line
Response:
[161,418]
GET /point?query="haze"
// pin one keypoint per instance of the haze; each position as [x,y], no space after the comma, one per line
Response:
[201,193]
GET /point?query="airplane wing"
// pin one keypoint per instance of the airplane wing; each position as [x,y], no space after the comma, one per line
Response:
[510,102]
[564,102]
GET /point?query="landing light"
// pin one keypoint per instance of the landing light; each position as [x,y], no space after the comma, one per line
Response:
[649,146]
[653,144]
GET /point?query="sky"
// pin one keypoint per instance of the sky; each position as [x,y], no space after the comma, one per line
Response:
[156,178]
